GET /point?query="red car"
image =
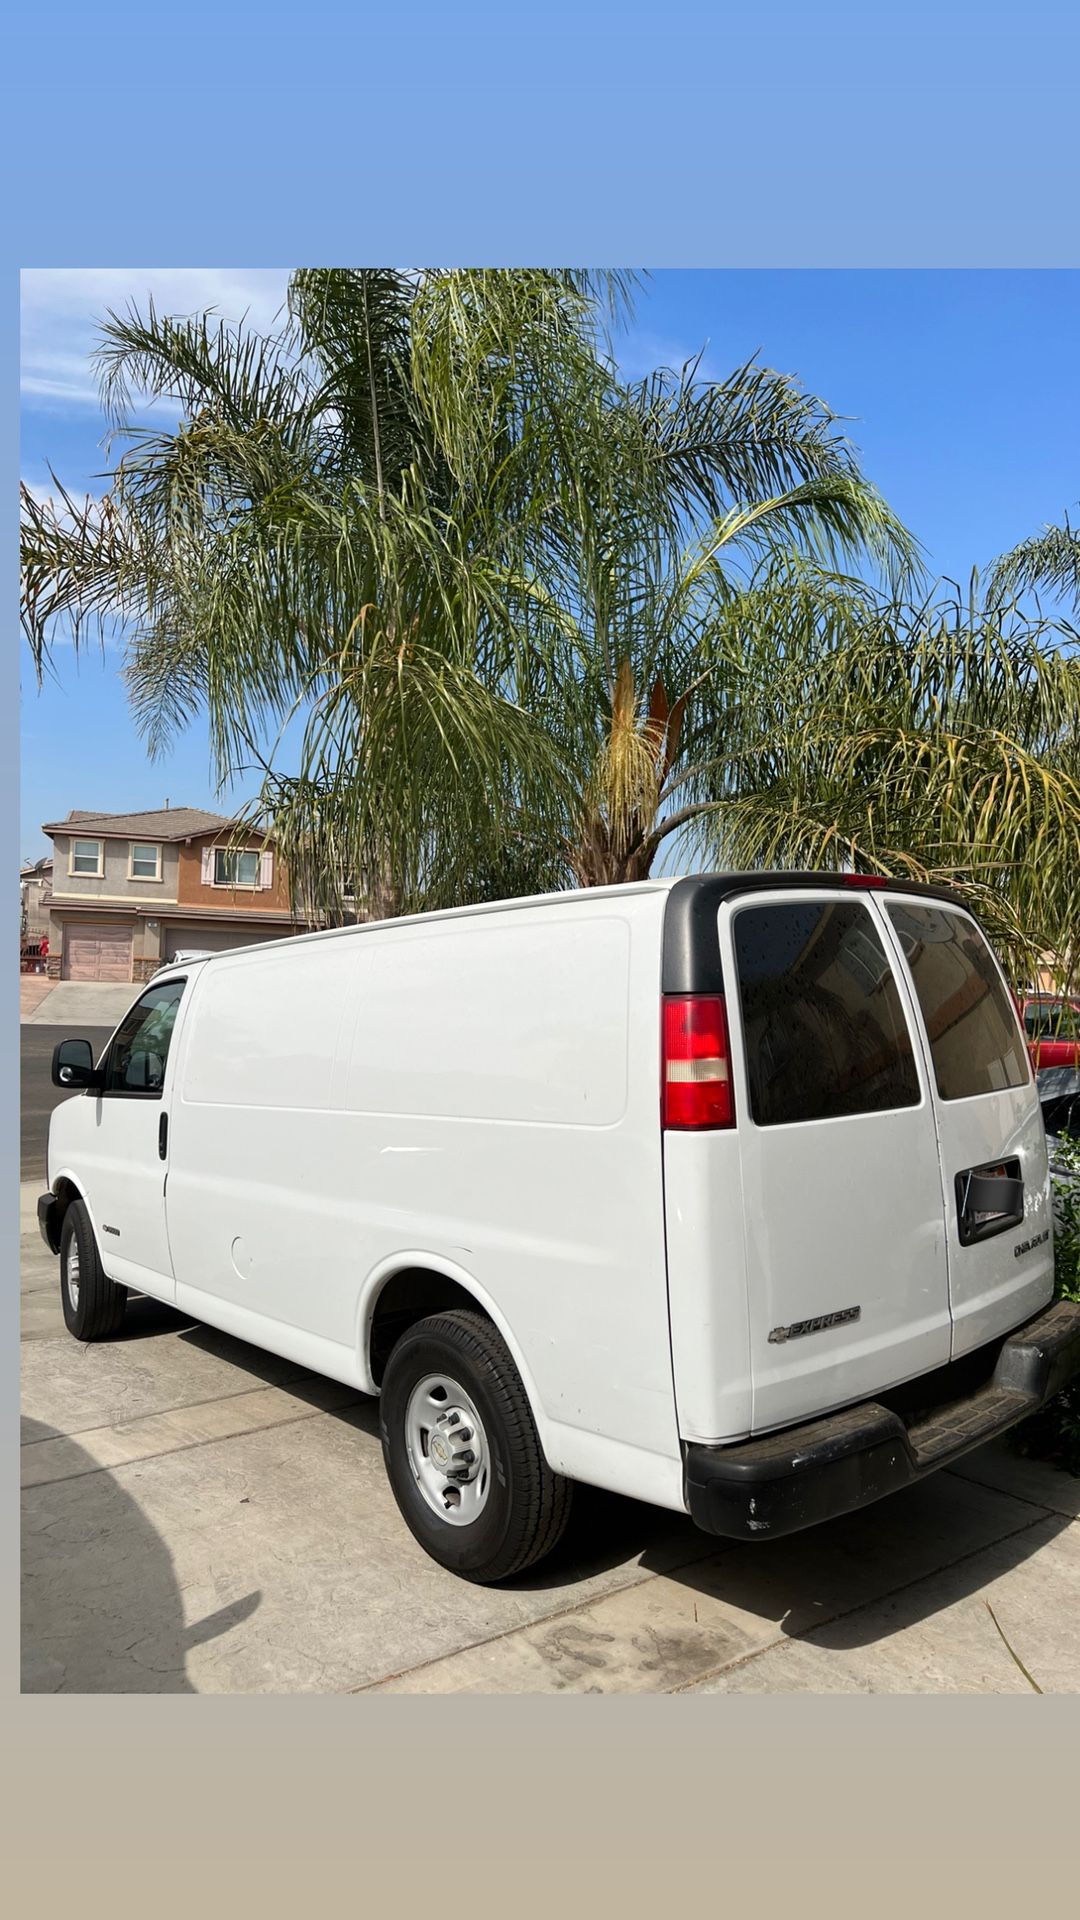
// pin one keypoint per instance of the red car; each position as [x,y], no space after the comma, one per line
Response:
[1052,1025]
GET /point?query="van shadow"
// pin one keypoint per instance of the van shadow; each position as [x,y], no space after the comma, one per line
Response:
[146,1319]
[102,1611]
[922,1549]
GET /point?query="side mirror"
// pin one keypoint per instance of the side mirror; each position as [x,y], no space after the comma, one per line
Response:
[73,1066]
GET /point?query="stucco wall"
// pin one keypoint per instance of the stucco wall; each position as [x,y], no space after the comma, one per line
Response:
[114,883]
[192,893]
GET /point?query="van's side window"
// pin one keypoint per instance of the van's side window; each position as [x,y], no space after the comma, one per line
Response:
[135,1062]
[823,1025]
[974,1034]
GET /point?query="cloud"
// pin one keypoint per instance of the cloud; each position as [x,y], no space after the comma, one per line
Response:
[63,306]
[639,353]
[46,496]
[43,495]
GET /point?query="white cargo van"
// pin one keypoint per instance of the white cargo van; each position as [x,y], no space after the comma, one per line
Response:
[727,1193]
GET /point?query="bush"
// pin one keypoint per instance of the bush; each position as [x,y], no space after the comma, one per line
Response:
[1054,1433]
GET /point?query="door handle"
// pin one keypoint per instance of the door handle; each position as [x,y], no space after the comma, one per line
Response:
[988,1200]
[163,1136]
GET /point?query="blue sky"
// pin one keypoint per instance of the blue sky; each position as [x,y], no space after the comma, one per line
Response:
[961,390]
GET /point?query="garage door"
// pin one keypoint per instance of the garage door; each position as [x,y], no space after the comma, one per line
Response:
[184,939]
[97,953]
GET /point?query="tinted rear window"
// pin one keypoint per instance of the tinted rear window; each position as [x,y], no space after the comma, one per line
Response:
[971,1022]
[823,1027]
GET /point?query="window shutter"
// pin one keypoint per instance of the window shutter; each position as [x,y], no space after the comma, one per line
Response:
[266,870]
[207,866]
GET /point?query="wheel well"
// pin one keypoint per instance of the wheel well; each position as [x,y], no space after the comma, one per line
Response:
[409,1296]
[65,1191]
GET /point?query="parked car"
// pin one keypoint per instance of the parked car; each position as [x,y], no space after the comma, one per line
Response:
[1059,1098]
[727,1193]
[1052,1025]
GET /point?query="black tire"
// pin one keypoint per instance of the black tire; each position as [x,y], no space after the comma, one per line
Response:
[527,1505]
[99,1310]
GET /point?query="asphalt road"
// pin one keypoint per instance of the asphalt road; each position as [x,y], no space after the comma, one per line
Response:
[39,1096]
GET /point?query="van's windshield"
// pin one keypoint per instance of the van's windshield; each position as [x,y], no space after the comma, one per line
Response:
[975,1038]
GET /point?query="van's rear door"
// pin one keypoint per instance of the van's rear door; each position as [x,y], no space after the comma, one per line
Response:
[843,1206]
[993,1143]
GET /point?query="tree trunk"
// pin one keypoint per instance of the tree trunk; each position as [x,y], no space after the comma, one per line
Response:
[382,895]
[598,861]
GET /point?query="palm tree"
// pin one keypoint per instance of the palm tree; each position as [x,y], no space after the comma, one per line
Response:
[934,739]
[1050,559]
[428,524]
[534,622]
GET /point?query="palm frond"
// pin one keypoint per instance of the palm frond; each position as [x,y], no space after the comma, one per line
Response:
[1049,561]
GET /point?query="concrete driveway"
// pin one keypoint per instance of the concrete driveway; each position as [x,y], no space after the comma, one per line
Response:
[74,1004]
[33,989]
[200,1517]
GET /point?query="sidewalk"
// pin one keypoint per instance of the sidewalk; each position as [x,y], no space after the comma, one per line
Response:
[200,1517]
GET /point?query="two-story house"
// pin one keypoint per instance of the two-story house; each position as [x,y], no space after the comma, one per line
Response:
[130,890]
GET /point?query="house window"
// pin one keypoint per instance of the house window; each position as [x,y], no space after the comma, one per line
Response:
[86,857]
[235,869]
[145,862]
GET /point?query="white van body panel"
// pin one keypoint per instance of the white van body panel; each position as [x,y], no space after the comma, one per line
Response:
[708,1284]
[838,1213]
[119,1164]
[476,1094]
[107,1147]
[463,1096]
[991,1288]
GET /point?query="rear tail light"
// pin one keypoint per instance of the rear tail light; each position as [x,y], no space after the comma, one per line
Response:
[696,1084]
[864,880]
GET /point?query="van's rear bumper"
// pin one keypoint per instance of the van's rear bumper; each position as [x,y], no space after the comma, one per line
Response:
[792,1479]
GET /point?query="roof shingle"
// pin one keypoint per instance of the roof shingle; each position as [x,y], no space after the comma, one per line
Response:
[165,823]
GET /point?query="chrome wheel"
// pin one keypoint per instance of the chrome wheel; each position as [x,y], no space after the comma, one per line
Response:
[447,1449]
[71,1273]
